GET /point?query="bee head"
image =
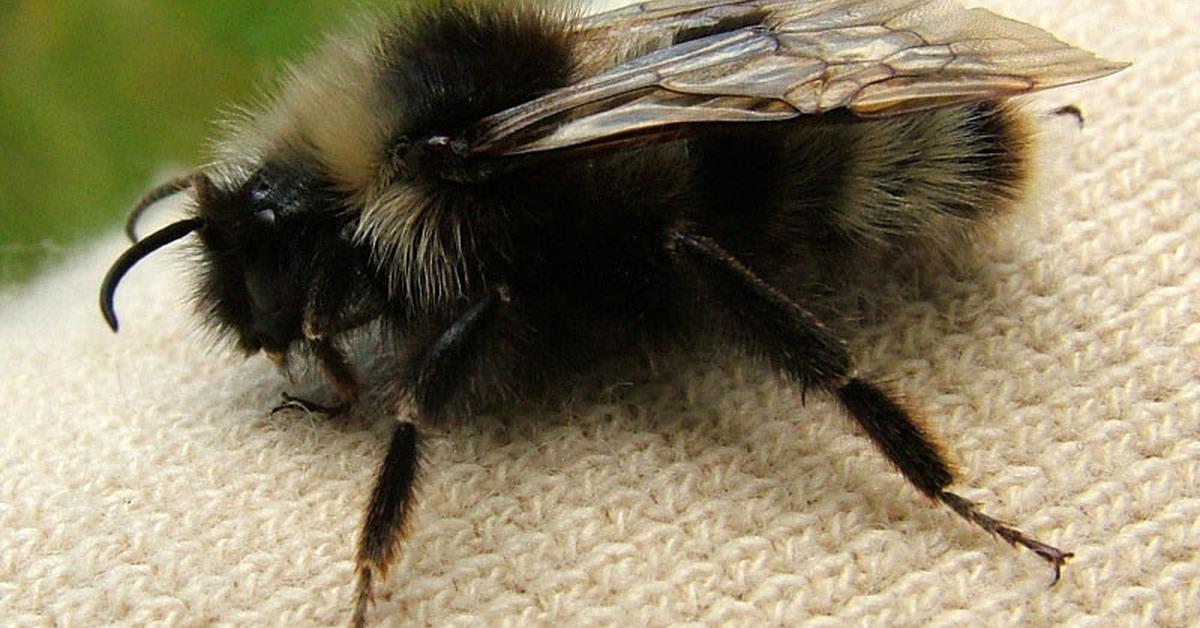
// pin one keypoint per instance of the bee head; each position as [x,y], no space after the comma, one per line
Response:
[271,246]
[255,261]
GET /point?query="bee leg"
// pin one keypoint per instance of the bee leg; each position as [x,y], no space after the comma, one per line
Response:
[435,376]
[338,370]
[387,514]
[292,402]
[341,374]
[789,337]
[1072,111]
[338,302]
[334,304]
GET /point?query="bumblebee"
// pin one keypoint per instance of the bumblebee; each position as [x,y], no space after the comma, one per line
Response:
[519,193]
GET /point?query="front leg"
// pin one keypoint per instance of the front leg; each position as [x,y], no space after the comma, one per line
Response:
[334,305]
[435,377]
[342,375]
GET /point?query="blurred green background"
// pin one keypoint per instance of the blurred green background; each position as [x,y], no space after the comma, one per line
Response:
[98,98]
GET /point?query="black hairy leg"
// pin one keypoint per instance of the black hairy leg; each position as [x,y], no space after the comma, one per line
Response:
[775,328]
[435,375]
[387,514]
[913,451]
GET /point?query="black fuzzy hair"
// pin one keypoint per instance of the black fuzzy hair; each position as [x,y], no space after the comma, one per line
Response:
[452,62]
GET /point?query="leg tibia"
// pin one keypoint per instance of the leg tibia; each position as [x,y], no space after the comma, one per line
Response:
[893,430]
[436,375]
[387,513]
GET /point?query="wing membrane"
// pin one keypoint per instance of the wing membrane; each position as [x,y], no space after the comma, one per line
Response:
[871,57]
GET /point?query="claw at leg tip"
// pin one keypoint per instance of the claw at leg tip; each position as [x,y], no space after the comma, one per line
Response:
[1057,560]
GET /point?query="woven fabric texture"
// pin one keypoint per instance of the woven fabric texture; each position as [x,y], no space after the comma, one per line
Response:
[142,479]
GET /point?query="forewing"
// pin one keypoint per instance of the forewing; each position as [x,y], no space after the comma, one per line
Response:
[647,26]
[870,57]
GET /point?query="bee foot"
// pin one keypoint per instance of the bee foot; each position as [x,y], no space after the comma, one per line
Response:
[296,403]
[1071,111]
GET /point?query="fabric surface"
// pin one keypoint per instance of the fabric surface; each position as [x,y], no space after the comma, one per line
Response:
[143,480]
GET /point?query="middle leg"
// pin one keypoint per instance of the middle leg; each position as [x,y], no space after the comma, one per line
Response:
[436,376]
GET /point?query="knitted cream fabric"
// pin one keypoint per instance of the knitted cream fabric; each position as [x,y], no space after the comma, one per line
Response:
[143,481]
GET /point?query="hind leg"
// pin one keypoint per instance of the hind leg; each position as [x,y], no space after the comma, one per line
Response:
[780,331]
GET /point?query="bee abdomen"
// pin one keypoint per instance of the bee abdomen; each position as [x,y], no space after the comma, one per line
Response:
[829,194]
[927,178]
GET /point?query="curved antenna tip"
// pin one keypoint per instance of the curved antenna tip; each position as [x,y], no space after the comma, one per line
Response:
[110,315]
[133,255]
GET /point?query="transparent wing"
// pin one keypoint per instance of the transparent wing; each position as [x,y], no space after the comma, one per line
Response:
[646,26]
[781,59]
